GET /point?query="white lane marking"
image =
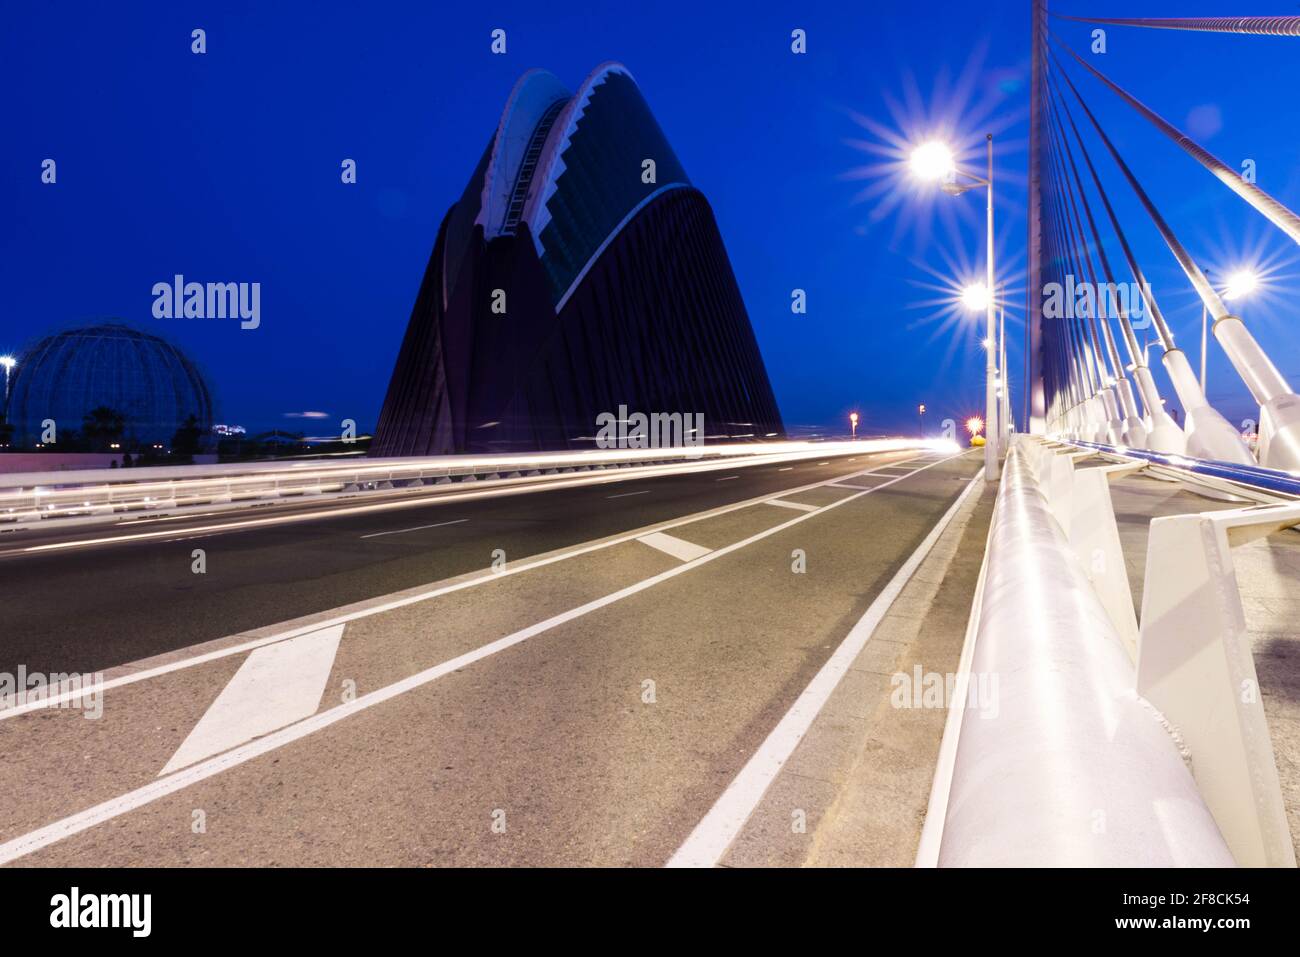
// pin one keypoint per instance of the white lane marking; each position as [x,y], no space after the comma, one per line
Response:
[848,485]
[276,686]
[823,463]
[676,547]
[726,478]
[627,494]
[788,468]
[795,505]
[417,528]
[84,820]
[35,704]
[709,841]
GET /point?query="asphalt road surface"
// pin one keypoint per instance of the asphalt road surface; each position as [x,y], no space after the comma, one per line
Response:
[371,690]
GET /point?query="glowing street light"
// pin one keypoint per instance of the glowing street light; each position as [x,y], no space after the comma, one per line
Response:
[853,421]
[1241,283]
[975,297]
[974,425]
[932,162]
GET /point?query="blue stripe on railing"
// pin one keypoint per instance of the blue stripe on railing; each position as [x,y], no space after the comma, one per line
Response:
[1272,480]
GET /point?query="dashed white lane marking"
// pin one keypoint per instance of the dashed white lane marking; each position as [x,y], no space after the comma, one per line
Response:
[795,505]
[709,841]
[274,687]
[677,547]
[124,804]
[727,478]
[788,468]
[627,494]
[417,528]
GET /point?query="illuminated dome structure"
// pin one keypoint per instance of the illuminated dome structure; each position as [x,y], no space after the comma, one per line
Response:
[579,273]
[147,380]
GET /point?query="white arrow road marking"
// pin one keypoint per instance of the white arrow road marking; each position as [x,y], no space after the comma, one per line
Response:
[276,686]
[676,547]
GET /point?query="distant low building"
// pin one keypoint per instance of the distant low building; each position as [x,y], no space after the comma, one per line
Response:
[107,385]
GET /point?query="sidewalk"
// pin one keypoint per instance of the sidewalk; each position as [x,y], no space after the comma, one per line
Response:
[1268,574]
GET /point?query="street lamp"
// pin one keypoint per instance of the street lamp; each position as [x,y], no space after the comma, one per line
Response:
[975,297]
[853,421]
[920,419]
[1240,284]
[934,161]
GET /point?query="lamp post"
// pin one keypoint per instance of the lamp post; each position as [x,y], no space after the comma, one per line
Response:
[934,161]
[1004,380]
[853,423]
[1240,284]
[920,420]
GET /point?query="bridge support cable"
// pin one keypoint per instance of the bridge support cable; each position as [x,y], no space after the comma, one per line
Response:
[1279,405]
[1070,386]
[1163,434]
[1084,350]
[1157,427]
[1162,427]
[1100,411]
[1110,369]
[1274,211]
[1076,357]
[1257,26]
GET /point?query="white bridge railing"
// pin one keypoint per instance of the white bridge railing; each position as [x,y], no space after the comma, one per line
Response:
[1115,742]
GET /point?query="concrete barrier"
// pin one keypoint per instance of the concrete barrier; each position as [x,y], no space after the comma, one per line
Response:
[1072,767]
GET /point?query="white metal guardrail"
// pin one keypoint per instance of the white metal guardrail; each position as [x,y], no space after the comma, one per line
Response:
[109,494]
[1072,767]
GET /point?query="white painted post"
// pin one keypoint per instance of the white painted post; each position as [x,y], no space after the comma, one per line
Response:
[1196,665]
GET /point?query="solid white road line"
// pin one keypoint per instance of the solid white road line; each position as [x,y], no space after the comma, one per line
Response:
[74,824]
[48,701]
[417,528]
[709,841]
[628,494]
[274,687]
[676,547]
[795,505]
[848,485]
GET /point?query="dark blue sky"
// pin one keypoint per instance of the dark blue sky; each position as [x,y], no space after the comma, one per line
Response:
[225,167]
